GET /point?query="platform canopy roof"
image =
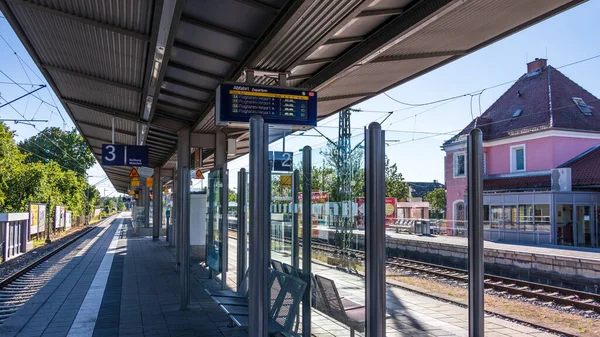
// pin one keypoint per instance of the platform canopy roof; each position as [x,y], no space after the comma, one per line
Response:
[153,65]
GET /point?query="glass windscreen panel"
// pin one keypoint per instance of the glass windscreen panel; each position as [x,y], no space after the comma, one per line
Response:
[214,240]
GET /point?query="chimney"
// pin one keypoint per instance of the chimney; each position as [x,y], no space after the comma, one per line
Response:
[535,65]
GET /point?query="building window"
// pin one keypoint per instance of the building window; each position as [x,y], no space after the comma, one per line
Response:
[460,164]
[584,108]
[517,158]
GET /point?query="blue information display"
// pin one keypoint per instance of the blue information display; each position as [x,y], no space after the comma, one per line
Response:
[237,102]
[124,155]
[281,161]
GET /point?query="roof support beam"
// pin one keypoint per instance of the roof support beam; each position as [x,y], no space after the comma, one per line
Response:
[342,40]
[187,85]
[202,140]
[395,31]
[179,66]
[419,56]
[185,98]
[260,5]
[381,12]
[214,28]
[338,26]
[203,52]
[358,94]
[92,78]
[318,61]
[107,111]
[128,133]
[103,140]
[85,21]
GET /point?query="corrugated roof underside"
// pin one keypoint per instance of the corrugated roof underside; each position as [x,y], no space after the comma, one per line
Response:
[133,15]
[97,93]
[315,22]
[83,48]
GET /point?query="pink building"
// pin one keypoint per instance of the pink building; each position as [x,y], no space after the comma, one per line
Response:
[541,162]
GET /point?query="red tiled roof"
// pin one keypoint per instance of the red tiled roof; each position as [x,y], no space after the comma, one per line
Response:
[585,168]
[531,93]
[541,182]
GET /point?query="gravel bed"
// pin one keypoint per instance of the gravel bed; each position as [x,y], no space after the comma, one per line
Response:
[12,266]
[559,307]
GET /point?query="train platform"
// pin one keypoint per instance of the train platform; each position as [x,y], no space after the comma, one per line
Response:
[124,285]
[120,285]
[592,254]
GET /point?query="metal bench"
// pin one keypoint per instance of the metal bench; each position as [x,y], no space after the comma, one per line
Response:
[286,294]
[243,293]
[345,311]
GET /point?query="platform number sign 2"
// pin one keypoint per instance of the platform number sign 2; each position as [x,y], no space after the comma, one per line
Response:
[281,161]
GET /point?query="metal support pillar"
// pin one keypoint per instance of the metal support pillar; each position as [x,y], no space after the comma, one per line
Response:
[156,204]
[183,219]
[174,214]
[306,237]
[241,227]
[294,211]
[258,291]
[221,161]
[375,231]
[475,230]
[146,203]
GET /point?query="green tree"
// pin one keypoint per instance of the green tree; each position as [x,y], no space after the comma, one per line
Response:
[68,149]
[394,182]
[437,202]
[232,196]
[11,165]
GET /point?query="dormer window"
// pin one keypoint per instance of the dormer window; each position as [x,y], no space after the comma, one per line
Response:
[517,113]
[584,108]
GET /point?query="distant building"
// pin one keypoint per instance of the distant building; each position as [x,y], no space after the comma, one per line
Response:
[541,162]
[418,190]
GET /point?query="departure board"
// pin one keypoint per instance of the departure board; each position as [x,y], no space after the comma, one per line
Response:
[237,102]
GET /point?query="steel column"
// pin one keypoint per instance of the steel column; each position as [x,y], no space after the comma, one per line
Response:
[183,220]
[306,238]
[172,235]
[241,227]
[258,292]
[221,161]
[156,204]
[294,211]
[475,230]
[375,230]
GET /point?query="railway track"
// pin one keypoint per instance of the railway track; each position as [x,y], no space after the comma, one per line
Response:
[543,292]
[19,287]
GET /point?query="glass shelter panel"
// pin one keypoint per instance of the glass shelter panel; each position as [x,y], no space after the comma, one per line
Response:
[214,241]
[585,219]
[564,225]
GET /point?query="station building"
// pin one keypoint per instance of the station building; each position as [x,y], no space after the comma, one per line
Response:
[541,163]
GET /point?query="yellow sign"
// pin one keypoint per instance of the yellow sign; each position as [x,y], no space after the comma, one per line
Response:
[135,182]
[149,182]
[166,191]
[34,211]
[285,181]
[134,173]
[131,192]
[150,196]
[199,174]
[267,94]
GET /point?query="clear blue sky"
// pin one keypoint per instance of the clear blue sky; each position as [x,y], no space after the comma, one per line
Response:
[563,39]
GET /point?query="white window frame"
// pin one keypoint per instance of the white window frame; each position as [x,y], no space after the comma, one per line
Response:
[485,163]
[513,158]
[454,164]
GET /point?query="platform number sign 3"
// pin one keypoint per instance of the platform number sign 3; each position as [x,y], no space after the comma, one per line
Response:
[113,154]
[281,161]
